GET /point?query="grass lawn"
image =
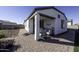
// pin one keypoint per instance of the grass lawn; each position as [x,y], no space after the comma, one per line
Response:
[76,49]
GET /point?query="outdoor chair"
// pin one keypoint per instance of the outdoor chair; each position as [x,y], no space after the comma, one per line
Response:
[44,33]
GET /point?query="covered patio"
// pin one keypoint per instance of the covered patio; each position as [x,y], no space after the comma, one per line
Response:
[39,22]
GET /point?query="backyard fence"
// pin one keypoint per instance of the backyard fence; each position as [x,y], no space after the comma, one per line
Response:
[10,33]
[77,38]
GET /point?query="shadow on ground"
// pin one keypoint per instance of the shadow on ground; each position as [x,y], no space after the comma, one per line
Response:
[69,36]
[8,46]
[56,41]
[26,34]
[77,38]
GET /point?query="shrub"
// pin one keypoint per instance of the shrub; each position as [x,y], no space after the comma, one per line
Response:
[2,35]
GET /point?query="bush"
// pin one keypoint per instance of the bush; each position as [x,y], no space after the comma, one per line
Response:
[2,36]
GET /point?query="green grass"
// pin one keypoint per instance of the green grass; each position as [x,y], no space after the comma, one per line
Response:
[76,48]
[2,35]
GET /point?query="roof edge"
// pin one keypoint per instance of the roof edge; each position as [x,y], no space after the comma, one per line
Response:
[43,8]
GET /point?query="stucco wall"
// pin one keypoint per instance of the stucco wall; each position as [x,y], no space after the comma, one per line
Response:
[48,23]
[69,23]
[31,26]
[58,28]
[26,24]
[57,24]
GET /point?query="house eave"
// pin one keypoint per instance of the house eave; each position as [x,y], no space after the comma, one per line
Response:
[43,8]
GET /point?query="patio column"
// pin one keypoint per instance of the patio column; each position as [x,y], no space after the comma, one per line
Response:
[37,28]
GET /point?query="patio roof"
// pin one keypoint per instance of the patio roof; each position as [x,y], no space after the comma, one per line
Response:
[46,16]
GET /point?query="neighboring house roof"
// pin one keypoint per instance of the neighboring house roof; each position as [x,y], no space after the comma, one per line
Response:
[76,24]
[70,20]
[4,22]
[43,8]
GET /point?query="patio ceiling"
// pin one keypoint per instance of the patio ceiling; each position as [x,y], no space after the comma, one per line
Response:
[46,16]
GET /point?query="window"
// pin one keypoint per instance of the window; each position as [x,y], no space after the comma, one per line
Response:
[58,16]
[62,24]
[41,23]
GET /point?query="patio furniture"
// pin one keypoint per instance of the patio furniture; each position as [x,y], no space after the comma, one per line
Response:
[49,31]
[42,34]
[52,31]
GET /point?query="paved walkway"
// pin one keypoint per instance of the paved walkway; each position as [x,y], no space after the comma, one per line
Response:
[62,43]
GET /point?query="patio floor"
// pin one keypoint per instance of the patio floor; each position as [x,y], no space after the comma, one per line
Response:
[60,43]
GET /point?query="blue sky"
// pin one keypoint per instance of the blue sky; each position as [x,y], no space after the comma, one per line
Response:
[19,13]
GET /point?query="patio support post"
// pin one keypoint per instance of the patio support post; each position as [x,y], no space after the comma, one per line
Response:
[37,28]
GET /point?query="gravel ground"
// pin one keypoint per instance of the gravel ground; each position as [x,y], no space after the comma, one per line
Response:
[61,43]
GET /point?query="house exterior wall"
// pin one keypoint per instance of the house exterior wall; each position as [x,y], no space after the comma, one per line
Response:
[48,23]
[69,23]
[57,24]
[26,24]
[58,28]
[31,26]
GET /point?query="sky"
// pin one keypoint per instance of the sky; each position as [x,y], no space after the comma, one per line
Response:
[19,13]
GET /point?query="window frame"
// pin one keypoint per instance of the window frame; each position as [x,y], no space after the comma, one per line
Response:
[58,15]
[62,23]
